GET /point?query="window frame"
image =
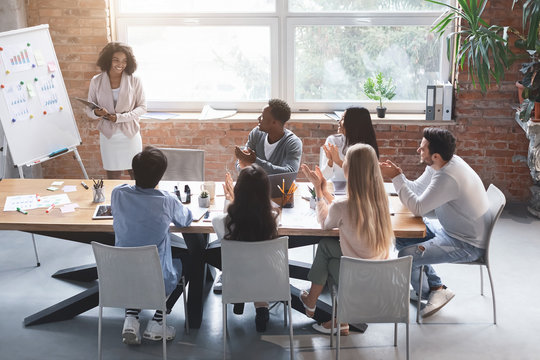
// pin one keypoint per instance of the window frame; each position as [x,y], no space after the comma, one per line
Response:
[282,25]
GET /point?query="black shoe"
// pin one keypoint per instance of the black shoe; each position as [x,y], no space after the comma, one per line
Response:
[261,318]
[238,308]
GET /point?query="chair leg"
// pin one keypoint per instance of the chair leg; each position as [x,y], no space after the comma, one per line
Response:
[35,250]
[285,313]
[420,294]
[164,332]
[185,305]
[333,318]
[395,334]
[407,328]
[338,339]
[493,295]
[224,331]
[481,281]
[99,332]
[290,330]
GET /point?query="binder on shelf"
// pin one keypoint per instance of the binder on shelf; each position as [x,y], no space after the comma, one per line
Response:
[448,92]
[430,102]
[438,101]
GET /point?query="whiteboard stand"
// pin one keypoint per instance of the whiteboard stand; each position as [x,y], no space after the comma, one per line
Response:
[67,151]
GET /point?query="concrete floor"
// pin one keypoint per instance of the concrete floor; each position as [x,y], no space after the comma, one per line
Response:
[462,330]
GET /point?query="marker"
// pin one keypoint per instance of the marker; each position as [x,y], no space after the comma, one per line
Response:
[38,198]
[22,211]
[84,185]
[58,152]
[49,208]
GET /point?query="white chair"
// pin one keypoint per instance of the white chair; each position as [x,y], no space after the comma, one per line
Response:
[497,201]
[255,271]
[130,277]
[372,291]
[184,164]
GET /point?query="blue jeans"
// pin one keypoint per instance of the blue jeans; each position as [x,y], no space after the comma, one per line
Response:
[436,248]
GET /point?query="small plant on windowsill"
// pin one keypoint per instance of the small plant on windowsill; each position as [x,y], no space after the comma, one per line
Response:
[204,199]
[378,88]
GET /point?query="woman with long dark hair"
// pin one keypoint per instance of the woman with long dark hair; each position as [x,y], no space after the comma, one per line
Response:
[249,217]
[354,127]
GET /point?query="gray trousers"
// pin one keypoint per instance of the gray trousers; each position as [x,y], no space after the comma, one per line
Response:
[326,262]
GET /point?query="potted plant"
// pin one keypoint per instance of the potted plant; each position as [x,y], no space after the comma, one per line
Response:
[204,199]
[379,88]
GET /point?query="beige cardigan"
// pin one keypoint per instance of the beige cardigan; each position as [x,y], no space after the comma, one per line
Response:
[130,105]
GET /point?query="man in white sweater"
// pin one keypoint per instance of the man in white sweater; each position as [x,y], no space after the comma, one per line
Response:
[451,188]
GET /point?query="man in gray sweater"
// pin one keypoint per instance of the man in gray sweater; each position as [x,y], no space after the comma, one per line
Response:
[274,148]
[451,188]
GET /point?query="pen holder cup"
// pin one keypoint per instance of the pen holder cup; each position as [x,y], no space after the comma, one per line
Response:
[287,202]
[99,194]
[312,203]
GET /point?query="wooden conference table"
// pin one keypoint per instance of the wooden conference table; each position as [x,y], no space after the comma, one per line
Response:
[299,223]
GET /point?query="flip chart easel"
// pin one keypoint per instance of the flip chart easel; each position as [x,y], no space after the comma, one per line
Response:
[35,111]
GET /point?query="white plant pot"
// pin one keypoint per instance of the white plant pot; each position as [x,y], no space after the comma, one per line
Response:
[204,202]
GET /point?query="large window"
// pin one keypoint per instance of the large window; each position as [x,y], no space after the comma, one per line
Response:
[314,54]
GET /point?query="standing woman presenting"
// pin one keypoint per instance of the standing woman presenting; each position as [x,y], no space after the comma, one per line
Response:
[121,99]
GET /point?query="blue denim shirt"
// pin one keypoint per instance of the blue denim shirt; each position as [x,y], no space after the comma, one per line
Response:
[142,217]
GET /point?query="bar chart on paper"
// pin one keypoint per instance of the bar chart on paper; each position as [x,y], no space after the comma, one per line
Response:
[18,58]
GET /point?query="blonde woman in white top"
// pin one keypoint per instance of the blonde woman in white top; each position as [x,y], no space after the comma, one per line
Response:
[354,127]
[121,99]
[363,219]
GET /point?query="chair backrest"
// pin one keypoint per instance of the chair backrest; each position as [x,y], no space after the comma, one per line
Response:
[497,201]
[374,291]
[129,277]
[184,164]
[255,271]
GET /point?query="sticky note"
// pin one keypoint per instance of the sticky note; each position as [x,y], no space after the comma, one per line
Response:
[39,58]
[51,66]
[30,90]
[52,188]
[57,183]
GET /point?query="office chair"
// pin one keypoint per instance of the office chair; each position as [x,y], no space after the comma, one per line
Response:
[497,201]
[372,291]
[184,164]
[255,271]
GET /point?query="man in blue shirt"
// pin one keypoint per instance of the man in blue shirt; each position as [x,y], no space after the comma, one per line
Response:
[142,215]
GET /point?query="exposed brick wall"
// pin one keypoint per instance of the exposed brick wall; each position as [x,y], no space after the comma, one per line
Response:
[488,137]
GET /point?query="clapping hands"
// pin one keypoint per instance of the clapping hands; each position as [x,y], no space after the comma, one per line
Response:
[245,157]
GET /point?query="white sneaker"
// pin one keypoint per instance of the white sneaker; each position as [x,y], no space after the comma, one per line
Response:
[437,299]
[218,286]
[154,331]
[413,296]
[130,332]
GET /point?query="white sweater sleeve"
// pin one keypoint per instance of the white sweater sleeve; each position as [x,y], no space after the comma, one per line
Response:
[424,194]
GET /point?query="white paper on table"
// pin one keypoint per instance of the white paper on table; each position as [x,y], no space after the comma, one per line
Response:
[24,202]
[57,183]
[69,188]
[46,201]
[289,218]
[69,208]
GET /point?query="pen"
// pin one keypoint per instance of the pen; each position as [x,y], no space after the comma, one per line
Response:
[22,211]
[37,197]
[84,185]
[49,208]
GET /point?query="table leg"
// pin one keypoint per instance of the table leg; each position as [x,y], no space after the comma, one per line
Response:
[196,274]
[84,273]
[66,309]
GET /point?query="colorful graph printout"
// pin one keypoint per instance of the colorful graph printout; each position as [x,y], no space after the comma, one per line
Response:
[18,58]
[17,100]
[48,89]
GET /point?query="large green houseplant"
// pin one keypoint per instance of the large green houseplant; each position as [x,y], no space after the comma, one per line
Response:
[484,48]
